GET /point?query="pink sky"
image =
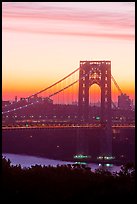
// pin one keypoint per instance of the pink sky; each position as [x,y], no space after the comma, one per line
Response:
[44,41]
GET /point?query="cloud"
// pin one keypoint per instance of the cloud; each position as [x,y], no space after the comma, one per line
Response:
[122,23]
[120,36]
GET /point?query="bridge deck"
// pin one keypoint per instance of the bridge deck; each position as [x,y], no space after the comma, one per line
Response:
[63,126]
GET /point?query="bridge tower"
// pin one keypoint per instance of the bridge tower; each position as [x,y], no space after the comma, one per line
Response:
[98,72]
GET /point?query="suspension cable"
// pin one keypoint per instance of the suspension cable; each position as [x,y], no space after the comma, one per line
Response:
[49,86]
[48,96]
[53,84]
[119,89]
[56,91]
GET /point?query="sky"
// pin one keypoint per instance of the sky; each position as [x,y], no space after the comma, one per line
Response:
[43,42]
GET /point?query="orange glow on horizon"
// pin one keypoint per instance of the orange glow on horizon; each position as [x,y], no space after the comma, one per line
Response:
[70,93]
[42,42]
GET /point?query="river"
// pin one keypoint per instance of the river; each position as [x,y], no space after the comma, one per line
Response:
[27,161]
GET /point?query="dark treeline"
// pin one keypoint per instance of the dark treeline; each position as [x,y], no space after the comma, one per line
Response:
[67,183]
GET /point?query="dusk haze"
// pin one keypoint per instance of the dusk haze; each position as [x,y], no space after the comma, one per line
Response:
[68,102]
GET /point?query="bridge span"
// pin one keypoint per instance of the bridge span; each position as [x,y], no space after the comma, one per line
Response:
[55,126]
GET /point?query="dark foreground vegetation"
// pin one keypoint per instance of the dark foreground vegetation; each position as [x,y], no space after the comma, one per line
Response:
[69,183]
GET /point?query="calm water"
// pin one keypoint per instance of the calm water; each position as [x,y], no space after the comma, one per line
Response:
[27,161]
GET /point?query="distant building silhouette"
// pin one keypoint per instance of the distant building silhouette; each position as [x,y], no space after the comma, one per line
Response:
[124,102]
[16,99]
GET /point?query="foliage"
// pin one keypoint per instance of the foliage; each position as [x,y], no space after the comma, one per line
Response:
[65,183]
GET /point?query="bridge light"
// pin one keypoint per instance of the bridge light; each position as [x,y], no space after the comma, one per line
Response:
[109,165]
[84,163]
[80,156]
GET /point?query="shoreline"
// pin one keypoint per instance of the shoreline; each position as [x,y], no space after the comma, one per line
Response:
[82,161]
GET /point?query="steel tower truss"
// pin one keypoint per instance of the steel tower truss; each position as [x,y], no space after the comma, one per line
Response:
[97,72]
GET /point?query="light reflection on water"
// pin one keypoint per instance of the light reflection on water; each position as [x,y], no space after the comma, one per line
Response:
[27,161]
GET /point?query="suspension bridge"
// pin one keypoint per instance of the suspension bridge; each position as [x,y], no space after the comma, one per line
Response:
[65,91]
[75,87]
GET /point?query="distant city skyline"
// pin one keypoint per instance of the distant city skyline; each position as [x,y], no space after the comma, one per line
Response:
[44,41]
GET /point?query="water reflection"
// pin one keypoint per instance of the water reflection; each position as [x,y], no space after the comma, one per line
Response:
[27,161]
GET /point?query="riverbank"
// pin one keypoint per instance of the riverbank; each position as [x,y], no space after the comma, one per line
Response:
[26,161]
[74,160]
